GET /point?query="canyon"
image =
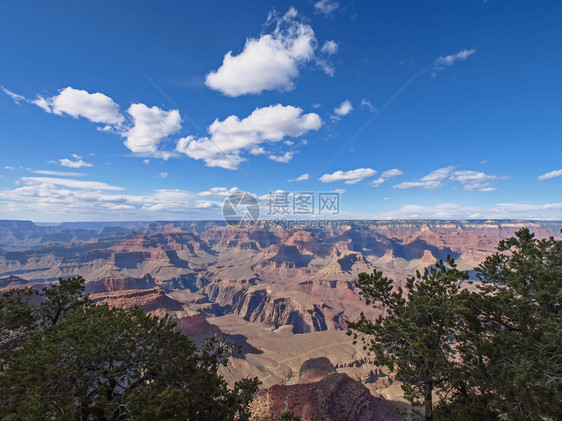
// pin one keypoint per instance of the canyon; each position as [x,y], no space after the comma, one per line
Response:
[284,295]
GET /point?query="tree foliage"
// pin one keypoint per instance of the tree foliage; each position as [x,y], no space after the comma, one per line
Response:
[511,341]
[86,362]
[413,334]
[489,352]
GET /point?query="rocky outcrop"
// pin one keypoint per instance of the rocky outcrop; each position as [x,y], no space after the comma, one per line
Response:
[197,328]
[336,397]
[150,300]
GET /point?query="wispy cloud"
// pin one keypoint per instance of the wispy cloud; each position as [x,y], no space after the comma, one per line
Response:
[447,61]
[78,162]
[474,180]
[285,158]
[59,173]
[15,97]
[470,180]
[68,182]
[366,103]
[326,7]
[330,47]
[395,172]
[461,211]
[549,175]
[302,177]
[433,180]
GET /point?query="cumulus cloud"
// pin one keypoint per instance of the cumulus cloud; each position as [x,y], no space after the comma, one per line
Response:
[229,138]
[151,125]
[474,180]
[446,61]
[550,175]
[302,177]
[68,182]
[78,162]
[95,107]
[144,131]
[270,62]
[163,175]
[349,177]
[285,158]
[326,7]
[433,180]
[344,108]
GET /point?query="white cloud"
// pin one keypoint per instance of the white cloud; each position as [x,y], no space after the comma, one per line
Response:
[219,192]
[377,182]
[385,176]
[326,7]
[151,126]
[77,163]
[458,211]
[9,167]
[395,172]
[15,97]
[229,138]
[163,175]
[146,161]
[344,108]
[68,182]
[59,173]
[470,180]
[95,107]
[270,62]
[474,180]
[285,158]
[433,180]
[302,177]
[203,204]
[330,47]
[47,202]
[550,175]
[366,103]
[446,61]
[349,177]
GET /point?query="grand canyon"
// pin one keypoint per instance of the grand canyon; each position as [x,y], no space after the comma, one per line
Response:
[284,295]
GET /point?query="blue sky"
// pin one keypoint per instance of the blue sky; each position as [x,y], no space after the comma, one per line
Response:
[158,110]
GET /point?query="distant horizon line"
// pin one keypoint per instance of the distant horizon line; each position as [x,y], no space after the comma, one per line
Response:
[140,221]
